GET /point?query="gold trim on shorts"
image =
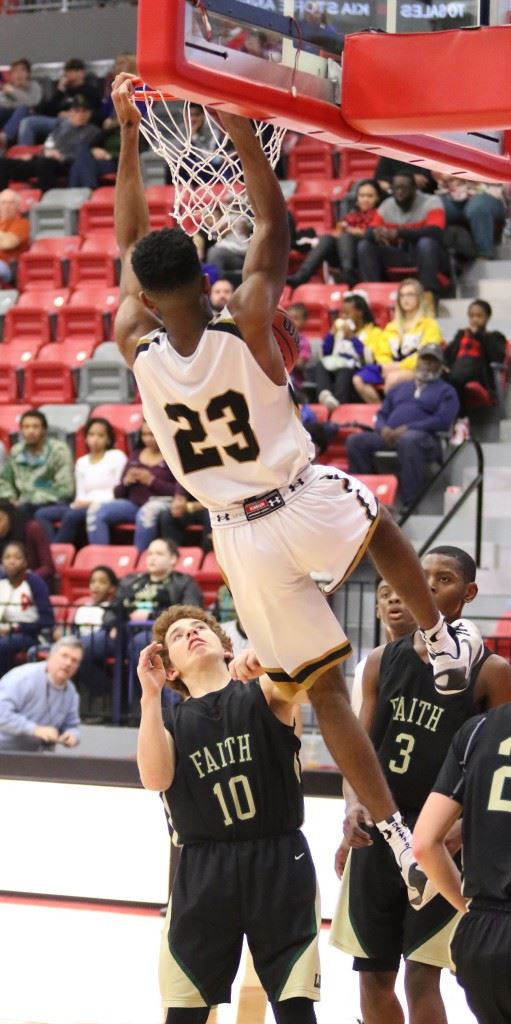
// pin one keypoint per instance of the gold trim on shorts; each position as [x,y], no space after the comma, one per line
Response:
[332,587]
[308,670]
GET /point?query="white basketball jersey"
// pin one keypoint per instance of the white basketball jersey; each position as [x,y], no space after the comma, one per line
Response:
[226,431]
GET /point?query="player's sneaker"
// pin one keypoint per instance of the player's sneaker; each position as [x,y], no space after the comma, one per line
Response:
[453,664]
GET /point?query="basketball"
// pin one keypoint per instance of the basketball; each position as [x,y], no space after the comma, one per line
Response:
[286,336]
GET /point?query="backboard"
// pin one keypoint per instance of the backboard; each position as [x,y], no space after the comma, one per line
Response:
[289,62]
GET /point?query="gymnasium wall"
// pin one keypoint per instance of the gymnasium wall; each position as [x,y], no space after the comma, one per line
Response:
[93,33]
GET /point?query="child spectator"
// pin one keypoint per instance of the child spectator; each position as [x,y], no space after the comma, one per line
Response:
[299,313]
[103,584]
[472,351]
[340,247]
[15,526]
[25,607]
[96,476]
[353,342]
[404,336]
[139,497]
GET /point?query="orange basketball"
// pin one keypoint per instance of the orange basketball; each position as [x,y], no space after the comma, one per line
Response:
[286,336]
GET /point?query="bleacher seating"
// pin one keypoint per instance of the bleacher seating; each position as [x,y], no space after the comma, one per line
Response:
[74,578]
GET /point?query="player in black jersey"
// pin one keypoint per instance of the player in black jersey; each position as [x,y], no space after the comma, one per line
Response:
[226,763]
[411,725]
[475,781]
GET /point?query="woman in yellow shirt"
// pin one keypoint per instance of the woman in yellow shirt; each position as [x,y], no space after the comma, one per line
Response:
[403,336]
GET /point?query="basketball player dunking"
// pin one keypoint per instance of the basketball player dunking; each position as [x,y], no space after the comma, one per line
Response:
[216,396]
[227,767]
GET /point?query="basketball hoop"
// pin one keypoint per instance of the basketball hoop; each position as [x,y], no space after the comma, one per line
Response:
[209,191]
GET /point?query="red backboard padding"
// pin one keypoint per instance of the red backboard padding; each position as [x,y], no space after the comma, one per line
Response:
[424,82]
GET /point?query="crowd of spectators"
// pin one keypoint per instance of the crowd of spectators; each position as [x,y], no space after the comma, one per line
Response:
[402,224]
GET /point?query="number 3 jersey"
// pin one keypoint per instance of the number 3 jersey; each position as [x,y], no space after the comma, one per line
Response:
[414,724]
[226,431]
[237,769]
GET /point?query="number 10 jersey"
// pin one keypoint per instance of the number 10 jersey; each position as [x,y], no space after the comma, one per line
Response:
[237,769]
[225,430]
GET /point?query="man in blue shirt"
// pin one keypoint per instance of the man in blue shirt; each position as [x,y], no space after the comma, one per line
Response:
[408,422]
[39,705]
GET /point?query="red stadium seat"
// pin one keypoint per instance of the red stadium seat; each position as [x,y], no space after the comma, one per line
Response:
[349,416]
[80,323]
[51,300]
[60,605]
[384,486]
[320,300]
[63,556]
[96,215]
[128,418]
[209,578]
[40,270]
[500,642]
[311,159]
[27,324]
[15,358]
[71,354]
[8,383]
[75,578]
[356,164]
[106,300]
[95,262]
[48,382]
[320,411]
[10,416]
[329,188]
[103,194]
[312,211]
[62,246]
[381,297]
[160,201]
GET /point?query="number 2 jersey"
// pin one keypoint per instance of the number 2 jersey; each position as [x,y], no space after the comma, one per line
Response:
[225,430]
[414,724]
[237,770]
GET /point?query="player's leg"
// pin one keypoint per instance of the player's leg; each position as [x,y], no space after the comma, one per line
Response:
[294,1011]
[481,952]
[423,997]
[378,999]
[397,561]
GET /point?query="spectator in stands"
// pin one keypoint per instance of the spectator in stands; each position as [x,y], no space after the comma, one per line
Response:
[61,149]
[39,469]
[25,607]
[16,526]
[19,95]
[340,248]
[228,254]
[38,703]
[299,314]
[407,232]
[477,205]
[404,336]
[140,496]
[409,421]
[103,587]
[75,81]
[220,294]
[96,475]
[387,168]
[180,514]
[472,351]
[14,233]
[140,599]
[123,62]
[87,622]
[348,369]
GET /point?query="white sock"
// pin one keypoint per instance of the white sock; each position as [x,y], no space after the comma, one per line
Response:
[398,836]
[438,639]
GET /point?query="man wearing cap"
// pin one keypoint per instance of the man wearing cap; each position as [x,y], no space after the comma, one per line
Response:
[70,134]
[410,418]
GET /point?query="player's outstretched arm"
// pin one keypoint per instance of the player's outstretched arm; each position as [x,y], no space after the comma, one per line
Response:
[266,261]
[435,820]
[156,757]
[133,320]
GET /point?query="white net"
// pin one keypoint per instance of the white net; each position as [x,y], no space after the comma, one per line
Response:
[210,193]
